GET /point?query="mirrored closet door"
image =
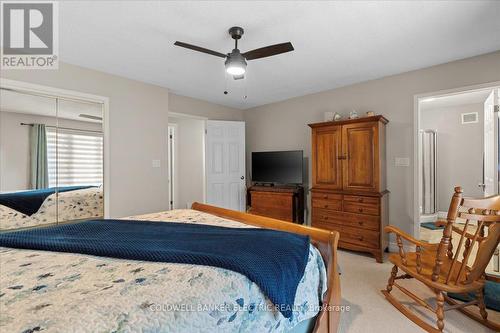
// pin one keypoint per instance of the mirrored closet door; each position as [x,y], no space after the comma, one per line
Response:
[51,160]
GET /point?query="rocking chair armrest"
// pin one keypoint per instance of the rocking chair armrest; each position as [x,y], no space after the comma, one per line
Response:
[429,246]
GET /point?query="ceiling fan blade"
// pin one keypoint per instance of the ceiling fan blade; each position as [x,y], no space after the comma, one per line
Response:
[268,51]
[200,49]
[239,77]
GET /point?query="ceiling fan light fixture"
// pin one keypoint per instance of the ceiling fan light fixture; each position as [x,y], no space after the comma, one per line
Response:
[235,63]
[235,70]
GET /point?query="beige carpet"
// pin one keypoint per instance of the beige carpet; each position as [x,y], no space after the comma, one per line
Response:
[361,281]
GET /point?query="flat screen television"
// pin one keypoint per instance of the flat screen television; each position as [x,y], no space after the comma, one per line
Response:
[277,167]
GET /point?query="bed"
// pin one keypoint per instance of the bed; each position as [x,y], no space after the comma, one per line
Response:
[57,207]
[115,295]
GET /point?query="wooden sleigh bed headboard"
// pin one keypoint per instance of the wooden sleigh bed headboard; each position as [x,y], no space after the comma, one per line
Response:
[324,240]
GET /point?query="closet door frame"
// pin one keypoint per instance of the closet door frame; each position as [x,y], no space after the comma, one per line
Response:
[76,96]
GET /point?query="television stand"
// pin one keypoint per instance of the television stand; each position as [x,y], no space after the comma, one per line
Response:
[279,201]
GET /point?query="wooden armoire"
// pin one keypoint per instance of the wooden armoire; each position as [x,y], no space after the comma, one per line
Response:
[349,192]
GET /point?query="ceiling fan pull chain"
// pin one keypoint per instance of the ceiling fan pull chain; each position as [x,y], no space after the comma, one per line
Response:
[246,86]
[225,83]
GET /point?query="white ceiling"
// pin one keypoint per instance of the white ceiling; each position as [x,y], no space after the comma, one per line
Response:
[336,43]
[11,101]
[470,97]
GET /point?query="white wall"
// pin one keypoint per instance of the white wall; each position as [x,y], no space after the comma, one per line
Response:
[138,120]
[460,150]
[283,125]
[15,146]
[189,154]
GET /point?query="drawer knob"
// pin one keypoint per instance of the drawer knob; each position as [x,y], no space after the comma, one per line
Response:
[360,200]
[360,238]
[360,210]
[360,222]
[326,206]
[326,218]
[325,197]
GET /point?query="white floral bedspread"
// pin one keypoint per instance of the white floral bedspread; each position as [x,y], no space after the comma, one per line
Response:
[61,292]
[71,205]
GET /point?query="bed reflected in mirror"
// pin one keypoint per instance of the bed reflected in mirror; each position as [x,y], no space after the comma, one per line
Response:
[51,160]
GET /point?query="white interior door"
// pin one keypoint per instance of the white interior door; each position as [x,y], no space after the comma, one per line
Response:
[225,164]
[490,178]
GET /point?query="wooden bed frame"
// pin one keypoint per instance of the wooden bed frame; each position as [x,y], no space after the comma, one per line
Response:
[325,241]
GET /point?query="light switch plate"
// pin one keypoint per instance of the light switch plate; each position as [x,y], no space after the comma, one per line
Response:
[402,161]
[156,163]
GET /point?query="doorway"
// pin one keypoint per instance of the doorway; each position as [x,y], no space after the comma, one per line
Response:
[206,160]
[186,160]
[455,148]
[457,144]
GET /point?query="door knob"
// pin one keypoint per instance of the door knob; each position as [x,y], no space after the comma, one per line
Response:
[242,177]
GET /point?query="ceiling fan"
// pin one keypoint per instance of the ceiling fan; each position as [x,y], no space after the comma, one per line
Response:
[236,62]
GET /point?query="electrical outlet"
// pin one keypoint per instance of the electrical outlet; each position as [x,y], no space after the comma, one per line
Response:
[402,161]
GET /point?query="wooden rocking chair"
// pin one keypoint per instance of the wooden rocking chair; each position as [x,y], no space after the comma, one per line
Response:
[439,267]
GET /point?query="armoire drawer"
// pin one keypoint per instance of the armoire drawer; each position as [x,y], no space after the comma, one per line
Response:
[327,216]
[361,237]
[326,225]
[327,204]
[362,200]
[347,219]
[354,207]
[326,196]
[361,221]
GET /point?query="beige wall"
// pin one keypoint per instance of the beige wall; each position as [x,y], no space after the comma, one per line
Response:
[138,119]
[283,125]
[455,141]
[197,107]
[14,146]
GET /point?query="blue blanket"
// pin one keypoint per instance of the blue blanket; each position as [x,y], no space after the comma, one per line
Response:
[29,202]
[274,260]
